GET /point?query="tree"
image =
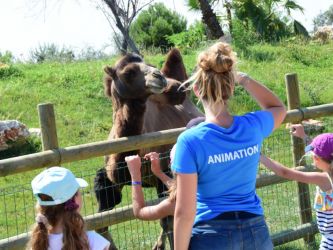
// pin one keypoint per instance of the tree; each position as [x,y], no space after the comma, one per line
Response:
[208,16]
[267,19]
[123,14]
[154,25]
[323,19]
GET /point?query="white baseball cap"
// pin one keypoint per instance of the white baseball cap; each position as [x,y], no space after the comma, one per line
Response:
[57,182]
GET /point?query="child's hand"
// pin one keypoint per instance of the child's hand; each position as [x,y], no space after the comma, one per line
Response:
[263,158]
[155,162]
[134,165]
[298,130]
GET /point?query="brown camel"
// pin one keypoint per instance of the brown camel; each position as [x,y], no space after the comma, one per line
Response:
[143,100]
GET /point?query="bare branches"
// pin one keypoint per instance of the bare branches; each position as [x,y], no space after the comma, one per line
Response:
[123,13]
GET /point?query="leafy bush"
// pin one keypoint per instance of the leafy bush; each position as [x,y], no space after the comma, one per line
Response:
[90,53]
[153,26]
[51,52]
[8,71]
[190,39]
[6,58]
[243,37]
[32,145]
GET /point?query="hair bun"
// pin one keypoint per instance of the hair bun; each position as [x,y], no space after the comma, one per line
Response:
[218,58]
[223,64]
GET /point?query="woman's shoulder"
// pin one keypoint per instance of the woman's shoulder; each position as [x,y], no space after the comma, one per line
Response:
[261,119]
[96,241]
[259,114]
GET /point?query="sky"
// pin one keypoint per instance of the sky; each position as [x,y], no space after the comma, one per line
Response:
[78,24]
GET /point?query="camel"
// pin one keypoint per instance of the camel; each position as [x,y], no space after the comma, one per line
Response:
[144,100]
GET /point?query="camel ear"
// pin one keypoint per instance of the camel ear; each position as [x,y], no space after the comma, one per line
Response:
[174,66]
[110,71]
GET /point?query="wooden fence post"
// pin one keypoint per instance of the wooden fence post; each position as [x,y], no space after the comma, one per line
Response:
[48,126]
[294,102]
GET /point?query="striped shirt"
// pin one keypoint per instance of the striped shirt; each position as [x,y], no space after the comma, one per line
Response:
[323,205]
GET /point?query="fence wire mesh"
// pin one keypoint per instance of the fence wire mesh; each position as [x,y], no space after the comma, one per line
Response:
[280,201]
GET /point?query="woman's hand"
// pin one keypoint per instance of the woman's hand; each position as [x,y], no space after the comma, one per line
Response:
[134,166]
[242,78]
[155,163]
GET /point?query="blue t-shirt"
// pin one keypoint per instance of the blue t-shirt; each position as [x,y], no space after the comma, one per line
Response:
[226,162]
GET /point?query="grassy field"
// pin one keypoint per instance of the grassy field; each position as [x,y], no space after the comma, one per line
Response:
[84,114]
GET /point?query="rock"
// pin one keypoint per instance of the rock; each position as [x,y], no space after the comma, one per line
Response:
[312,126]
[35,132]
[324,34]
[12,132]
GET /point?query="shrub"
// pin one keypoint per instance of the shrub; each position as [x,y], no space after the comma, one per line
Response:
[190,39]
[6,58]
[8,71]
[51,52]
[32,145]
[243,36]
[153,26]
[90,53]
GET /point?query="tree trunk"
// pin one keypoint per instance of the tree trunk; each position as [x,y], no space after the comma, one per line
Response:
[124,46]
[120,26]
[229,17]
[210,19]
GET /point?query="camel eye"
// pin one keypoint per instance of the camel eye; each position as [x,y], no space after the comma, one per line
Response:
[131,71]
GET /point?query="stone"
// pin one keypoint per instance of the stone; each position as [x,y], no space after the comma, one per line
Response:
[12,132]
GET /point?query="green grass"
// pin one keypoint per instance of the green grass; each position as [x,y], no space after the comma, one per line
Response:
[84,115]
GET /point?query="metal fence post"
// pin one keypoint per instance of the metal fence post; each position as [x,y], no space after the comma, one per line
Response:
[294,102]
[48,126]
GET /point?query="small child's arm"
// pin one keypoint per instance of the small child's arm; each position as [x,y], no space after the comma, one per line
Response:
[156,168]
[140,210]
[293,174]
[134,167]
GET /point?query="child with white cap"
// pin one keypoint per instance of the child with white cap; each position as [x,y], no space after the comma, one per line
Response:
[321,149]
[59,224]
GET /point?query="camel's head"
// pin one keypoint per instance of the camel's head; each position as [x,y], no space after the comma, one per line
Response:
[132,78]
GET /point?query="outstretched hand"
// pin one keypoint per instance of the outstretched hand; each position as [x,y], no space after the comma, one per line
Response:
[155,162]
[134,165]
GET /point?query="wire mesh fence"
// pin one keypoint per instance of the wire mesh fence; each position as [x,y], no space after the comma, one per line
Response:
[280,201]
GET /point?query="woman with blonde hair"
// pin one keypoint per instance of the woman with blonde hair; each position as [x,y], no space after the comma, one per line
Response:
[216,162]
[59,224]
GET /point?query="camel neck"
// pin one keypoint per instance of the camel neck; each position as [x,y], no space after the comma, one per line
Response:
[128,119]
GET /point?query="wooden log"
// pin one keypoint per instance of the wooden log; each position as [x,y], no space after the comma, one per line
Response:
[303,231]
[48,126]
[86,151]
[294,102]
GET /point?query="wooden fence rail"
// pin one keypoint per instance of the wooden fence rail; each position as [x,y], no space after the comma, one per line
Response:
[90,150]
